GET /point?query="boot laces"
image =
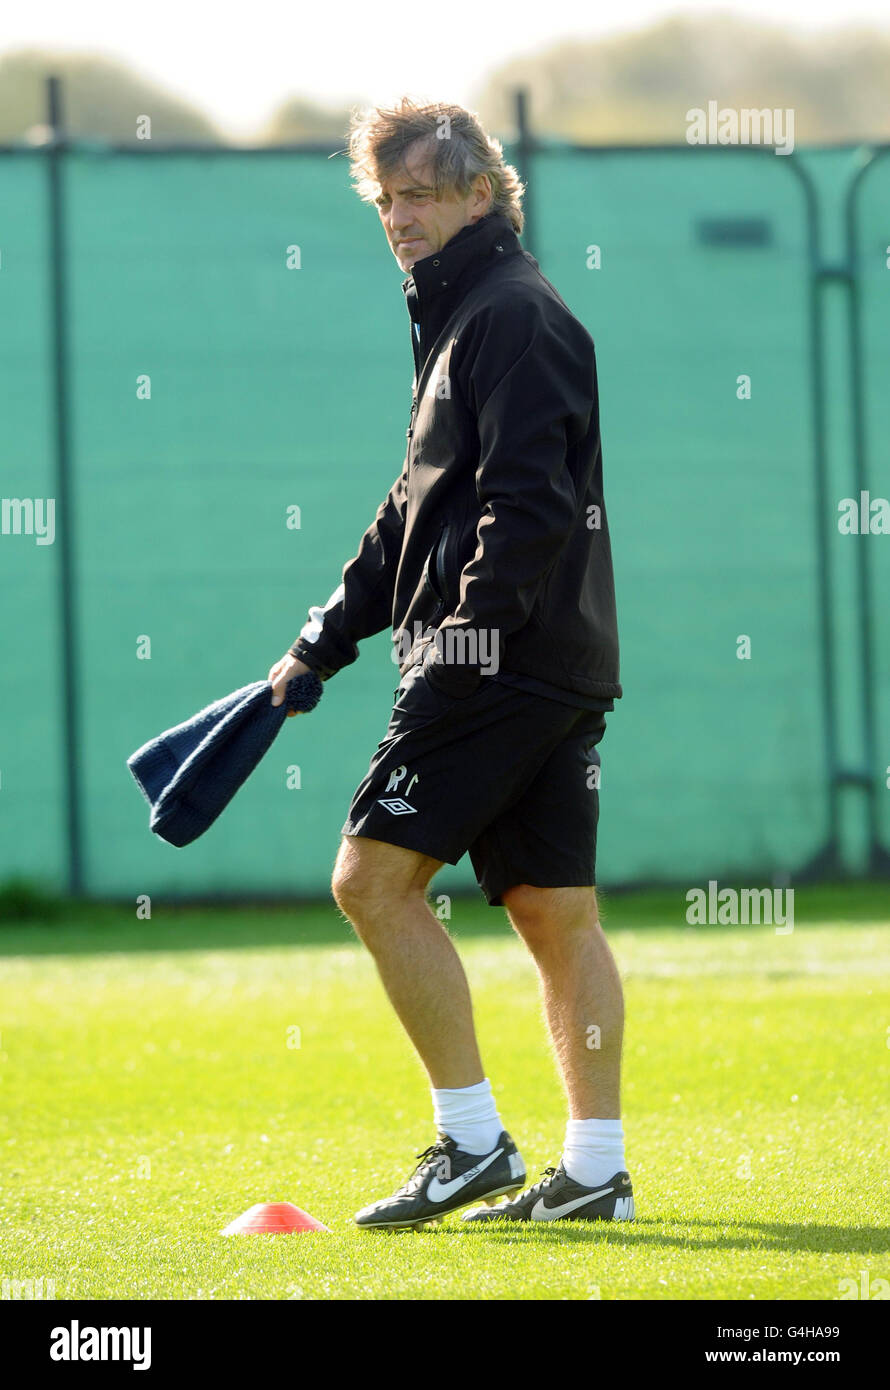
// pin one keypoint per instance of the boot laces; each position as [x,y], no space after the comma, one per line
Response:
[429,1156]
[548,1174]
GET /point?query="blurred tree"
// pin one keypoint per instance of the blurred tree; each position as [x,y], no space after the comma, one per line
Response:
[298,120]
[102,99]
[630,88]
[638,87]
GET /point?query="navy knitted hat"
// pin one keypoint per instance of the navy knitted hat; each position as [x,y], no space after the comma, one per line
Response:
[189,774]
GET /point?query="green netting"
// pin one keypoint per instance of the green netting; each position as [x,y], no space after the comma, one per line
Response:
[271,388]
[274,387]
[31,749]
[711,762]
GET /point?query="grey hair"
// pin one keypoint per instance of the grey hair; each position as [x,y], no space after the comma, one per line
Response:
[458,147]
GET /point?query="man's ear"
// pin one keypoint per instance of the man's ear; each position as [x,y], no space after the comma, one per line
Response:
[483,182]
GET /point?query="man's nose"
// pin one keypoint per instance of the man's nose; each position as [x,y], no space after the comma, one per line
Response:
[399,218]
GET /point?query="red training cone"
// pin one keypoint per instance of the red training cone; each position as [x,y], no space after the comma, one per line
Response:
[273,1218]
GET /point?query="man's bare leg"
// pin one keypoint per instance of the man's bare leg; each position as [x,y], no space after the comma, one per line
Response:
[581,990]
[381,889]
[585,1014]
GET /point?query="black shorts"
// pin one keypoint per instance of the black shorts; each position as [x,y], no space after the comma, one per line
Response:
[509,776]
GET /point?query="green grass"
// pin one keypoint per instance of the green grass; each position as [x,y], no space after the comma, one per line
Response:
[149,1096]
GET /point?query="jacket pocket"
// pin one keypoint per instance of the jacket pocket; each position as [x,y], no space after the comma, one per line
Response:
[418,704]
[439,568]
[432,602]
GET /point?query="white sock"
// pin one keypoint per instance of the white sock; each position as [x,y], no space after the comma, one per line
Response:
[594,1151]
[469,1116]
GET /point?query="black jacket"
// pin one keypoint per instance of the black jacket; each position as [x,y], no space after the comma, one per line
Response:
[494,538]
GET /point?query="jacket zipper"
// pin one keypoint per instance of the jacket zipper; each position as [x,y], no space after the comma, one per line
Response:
[410,430]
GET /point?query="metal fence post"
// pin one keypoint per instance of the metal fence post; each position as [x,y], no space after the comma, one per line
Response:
[63,483]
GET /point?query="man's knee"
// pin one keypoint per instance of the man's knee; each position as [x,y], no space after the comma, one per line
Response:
[357,879]
[370,876]
[538,913]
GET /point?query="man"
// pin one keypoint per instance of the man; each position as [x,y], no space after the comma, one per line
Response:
[490,558]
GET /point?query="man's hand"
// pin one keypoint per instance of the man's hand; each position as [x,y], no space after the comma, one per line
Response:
[283,671]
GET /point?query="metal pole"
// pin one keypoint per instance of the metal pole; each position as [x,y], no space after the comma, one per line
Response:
[828,859]
[63,483]
[822,532]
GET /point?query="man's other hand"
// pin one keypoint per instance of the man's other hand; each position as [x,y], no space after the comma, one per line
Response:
[283,671]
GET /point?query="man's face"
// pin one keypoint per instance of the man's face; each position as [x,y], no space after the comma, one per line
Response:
[416,222]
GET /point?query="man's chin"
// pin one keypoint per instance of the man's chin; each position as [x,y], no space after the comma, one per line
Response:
[407,259]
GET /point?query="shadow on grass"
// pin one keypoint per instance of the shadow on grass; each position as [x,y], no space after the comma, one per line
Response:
[87,928]
[692,1234]
[91,929]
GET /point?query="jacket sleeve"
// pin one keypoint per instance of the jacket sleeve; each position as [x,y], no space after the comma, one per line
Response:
[531,409]
[362,603]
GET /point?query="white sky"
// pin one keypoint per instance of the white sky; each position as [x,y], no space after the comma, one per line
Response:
[238,69]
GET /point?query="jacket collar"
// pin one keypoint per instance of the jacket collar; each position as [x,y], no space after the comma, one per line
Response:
[441,279]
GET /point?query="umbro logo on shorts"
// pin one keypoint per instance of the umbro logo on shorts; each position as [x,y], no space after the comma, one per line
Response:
[396,805]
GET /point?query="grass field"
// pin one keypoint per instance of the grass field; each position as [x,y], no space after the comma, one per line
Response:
[149,1095]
